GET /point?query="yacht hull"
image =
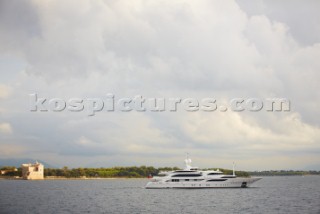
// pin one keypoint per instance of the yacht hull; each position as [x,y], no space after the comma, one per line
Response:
[237,182]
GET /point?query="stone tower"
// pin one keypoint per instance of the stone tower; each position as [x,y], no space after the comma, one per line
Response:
[32,171]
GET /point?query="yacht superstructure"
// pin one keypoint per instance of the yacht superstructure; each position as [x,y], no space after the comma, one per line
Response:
[192,177]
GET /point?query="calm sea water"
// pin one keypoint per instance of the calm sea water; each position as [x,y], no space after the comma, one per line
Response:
[270,195]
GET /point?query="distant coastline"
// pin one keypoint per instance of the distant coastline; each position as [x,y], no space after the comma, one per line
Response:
[134,172]
[68,178]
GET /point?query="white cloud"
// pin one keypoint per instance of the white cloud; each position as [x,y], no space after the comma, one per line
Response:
[4,91]
[5,128]
[158,49]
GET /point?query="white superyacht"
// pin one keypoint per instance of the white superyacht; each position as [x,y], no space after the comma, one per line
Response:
[191,177]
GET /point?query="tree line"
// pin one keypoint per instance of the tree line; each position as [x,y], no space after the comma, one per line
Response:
[114,172]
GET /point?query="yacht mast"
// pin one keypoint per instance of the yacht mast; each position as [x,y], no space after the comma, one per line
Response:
[233,170]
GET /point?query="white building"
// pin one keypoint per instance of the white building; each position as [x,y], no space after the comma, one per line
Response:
[32,171]
[5,171]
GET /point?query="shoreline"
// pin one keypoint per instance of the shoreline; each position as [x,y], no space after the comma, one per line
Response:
[65,178]
[113,178]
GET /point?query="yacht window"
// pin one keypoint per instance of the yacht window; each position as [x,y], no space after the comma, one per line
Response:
[217,179]
[184,171]
[187,175]
[230,176]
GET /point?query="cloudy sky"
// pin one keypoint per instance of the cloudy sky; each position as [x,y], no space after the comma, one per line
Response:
[162,49]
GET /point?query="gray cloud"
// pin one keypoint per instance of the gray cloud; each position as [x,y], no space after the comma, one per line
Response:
[183,49]
[302,18]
